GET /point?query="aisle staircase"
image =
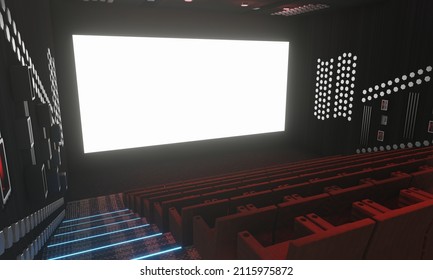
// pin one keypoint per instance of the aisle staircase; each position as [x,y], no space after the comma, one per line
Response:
[102,229]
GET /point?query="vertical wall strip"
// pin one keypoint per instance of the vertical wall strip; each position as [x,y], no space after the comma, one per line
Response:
[365,127]
[414,114]
[406,123]
[411,113]
[369,109]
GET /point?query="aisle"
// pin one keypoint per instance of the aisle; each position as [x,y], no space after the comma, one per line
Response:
[103,229]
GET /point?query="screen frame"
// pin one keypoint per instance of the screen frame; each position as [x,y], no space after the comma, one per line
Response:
[210,140]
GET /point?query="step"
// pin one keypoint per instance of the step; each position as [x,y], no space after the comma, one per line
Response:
[125,250]
[95,215]
[55,249]
[90,206]
[189,253]
[63,228]
[99,229]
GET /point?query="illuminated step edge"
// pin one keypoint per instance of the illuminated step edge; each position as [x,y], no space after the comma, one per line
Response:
[105,247]
[93,216]
[95,236]
[90,228]
[140,248]
[158,253]
[93,221]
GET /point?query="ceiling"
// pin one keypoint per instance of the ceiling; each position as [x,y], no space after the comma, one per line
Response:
[269,7]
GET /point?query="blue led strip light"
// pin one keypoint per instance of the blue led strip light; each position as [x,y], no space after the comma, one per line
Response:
[90,228]
[105,247]
[159,253]
[95,236]
[92,221]
[93,216]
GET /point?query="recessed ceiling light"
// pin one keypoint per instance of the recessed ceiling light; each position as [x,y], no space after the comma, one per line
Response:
[244,4]
[256,8]
[188,1]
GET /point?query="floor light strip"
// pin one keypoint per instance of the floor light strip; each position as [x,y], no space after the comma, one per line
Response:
[98,215]
[90,228]
[93,221]
[104,247]
[159,253]
[95,236]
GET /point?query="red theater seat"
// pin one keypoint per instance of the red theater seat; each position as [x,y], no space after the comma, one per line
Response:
[288,210]
[259,199]
[423,178]
[181,224]
[400,233]
[390,186]
[321,241]
[219,242]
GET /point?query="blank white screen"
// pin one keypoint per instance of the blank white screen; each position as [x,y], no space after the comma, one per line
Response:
[137,92]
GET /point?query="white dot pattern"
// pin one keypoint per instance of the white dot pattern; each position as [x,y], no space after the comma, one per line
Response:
[398,84]
[335,99]
[409,145]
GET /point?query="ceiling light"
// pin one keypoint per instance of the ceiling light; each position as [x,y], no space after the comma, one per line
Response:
[244,4]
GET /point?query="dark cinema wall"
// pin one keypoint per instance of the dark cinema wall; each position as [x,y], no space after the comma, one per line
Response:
[110,172]
[30,125]
[391,40]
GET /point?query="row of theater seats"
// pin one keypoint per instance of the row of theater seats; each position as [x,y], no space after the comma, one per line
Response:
[309,209]
[372,231]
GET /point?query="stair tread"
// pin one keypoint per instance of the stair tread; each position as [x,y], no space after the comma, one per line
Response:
[86,224]
[100,229]
[128,250]
[98,240]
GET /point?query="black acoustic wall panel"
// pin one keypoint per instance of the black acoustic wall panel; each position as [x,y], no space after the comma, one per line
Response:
[56,155]
[56,133]
[24,133]
[36,182]
[63,180]
[44,114]
[45,149]
[53,180]
[21,83]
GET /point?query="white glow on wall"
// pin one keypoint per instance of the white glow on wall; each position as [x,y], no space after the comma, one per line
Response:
[136,92]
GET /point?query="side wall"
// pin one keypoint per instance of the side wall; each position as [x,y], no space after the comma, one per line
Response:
[30,126]
[391,40]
